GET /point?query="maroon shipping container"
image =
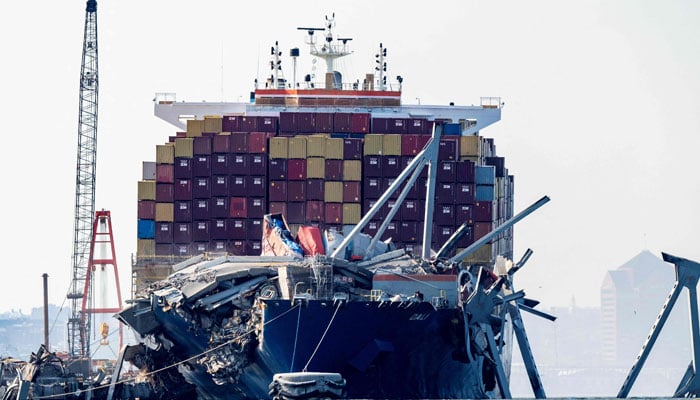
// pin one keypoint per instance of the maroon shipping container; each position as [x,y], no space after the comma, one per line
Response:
[219,229]
[200,209]
[257,164]
[391,166]
[201,188]
[352,192]
[267,124]
[373,187]
[333,214]
[220,164]
[257,207]
[164,232]
[444,214]
[277,168]
[447,171]
[391,232]
[296,191]
[372,166]
[256,186]
[372,227]
[146,209]
[409,232]
[449,148]
[201,166]
[238,164]
[287,122]
[409,145]
[238,143]
[464,193]
[220,185]
[231,123]
[165,173]
[314,211]
[254,229]
[360,123]
[202,145]
[352,149]
[410,211]
[278,191]
[464,213]
[221,143]
[200,231]
[444,192]
[253,247]
[237,186]
[483,212]
[237,247]
[257,142]
[334,170]
[238,207]
[165,192]
[465,171]
[324,122]
[342,122]
[481,229]
[182,232]
[238,229]
[278,207]
[182,211]
[220,207]
[183,168]
[296,213]
[306,122]
[296,169]
[315,189]
[183,189]
[248,123]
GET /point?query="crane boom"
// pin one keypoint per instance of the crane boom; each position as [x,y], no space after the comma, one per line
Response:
[78,334]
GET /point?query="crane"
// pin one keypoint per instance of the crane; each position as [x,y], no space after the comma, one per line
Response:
[79,321]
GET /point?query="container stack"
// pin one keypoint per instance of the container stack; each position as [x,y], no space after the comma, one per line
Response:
[211,185]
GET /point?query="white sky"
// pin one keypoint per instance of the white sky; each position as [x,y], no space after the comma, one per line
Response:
[601,114]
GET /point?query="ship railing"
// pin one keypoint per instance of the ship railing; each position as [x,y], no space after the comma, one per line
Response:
[491,102]
[165,98]
[390,87]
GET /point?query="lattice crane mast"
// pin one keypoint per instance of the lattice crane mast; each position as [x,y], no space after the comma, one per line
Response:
[79,322]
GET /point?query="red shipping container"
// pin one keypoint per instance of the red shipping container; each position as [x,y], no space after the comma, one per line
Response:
[238,142]
[481,229]
[409,145]
[277,207]
[248,123]
[165,173]
[237,186]
[342,122]
[310,240]
[202,145]
[238,207]
[296,169]
[220,164]
[220,207]
[360,123]
[324,122]
[333,213]
[231,123]
[277,168]
[315,189]
[296,191]
[352,192]
[219,185]
[483,212]
[147,209]
[296,213]
[334,170]
[238,229]
[257,206]
[257,142]
[314,211]
[200,210]
[352,149]
[256,186]
[278,192]
[222,143]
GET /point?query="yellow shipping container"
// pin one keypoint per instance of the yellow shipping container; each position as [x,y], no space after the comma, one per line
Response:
[373,144]
[147,190]
[145,248]
[213,123]
[316,168]
[164,212]
[279,147]
[165,154]
[316,146]
[470,146]
[195,127]
[352,213]
[333,192]
[334,148]
[391,145]
[481,255]
[297,147]
[352,170]
[184,147]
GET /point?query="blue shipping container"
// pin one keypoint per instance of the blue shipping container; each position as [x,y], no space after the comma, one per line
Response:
[147,229]
[485,174]
[485,193]
[452,129]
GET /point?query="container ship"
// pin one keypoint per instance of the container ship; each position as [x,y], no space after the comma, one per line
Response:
[325,240]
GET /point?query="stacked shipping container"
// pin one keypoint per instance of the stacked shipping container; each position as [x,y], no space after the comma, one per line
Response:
[210,186]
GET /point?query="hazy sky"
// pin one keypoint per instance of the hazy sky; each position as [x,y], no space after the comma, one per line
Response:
[600,114]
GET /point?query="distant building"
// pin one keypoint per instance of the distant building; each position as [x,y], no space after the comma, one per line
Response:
[631,299]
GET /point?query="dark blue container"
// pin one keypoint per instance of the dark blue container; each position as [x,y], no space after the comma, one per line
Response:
[452,129]
[146,229]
